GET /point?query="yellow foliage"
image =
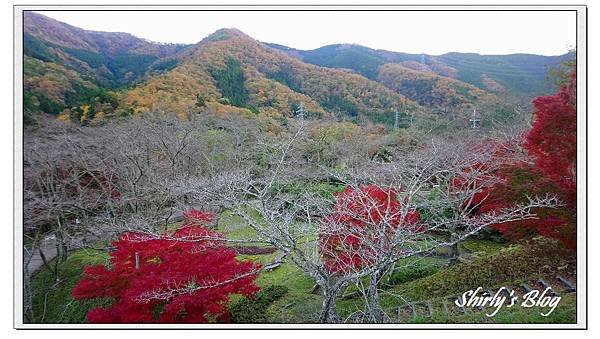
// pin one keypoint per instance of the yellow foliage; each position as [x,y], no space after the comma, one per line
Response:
[50,79]
[430,89]
[177,89]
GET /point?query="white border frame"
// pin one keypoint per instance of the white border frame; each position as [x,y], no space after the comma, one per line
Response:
[581,167]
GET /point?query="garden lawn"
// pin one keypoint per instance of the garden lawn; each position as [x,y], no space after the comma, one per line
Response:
[52,300]
[414,279]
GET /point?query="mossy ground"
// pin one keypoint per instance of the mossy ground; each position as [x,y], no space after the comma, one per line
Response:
[52,300]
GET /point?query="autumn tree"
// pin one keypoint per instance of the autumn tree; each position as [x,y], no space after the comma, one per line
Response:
[552,140]
[182,276]
[358,236]
[364,226]
[552,145]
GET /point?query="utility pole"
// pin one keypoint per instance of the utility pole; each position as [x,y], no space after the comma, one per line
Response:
[300,111]
[396,120]
[475,120]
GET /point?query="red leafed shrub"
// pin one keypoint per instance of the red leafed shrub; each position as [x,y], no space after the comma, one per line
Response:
[351,236]
[185,276]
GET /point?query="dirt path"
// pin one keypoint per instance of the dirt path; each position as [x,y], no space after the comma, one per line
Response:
[48,246]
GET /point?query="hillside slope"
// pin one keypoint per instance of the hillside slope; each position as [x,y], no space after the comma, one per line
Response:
[68,68]
[84,76]
[439,93]
[112,59]
[520,74]
[229,68]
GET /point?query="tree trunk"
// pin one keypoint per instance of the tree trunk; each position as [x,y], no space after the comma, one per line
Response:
[329,311]
[27,298]
[454,254]
[374,312]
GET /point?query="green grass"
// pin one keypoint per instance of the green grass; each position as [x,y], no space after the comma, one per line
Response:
[242,234]
[482,247]
[52,301]
[235,228]
[298,304]
[416,278]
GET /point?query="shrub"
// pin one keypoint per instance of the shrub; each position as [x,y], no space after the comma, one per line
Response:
[413,272]
[529,259]
[254,310]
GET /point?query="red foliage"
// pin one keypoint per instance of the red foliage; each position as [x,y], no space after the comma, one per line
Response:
[194,216]
[359,217]
[553,137]
[553,144]
[185,276]
[520,182]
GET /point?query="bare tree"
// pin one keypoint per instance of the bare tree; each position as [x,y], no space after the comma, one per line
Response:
[441,178]
[87,183]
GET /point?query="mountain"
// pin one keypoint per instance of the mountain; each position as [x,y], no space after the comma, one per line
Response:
[229,68]
[66,66]
[438,93]
[87,76]
[112,59]
[518,74]
[431,84]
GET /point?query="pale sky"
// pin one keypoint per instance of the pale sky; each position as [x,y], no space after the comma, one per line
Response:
[539,32]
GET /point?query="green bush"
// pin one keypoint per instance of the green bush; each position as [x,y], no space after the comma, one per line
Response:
[253,311]
[527,260]
[410,273]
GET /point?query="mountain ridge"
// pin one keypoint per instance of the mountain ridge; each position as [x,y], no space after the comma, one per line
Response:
[268,66]
[84,75]
[60,33]
[470,70]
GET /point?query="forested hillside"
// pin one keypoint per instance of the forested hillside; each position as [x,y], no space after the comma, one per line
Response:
[229,68]
[113,59]
[524,74]
[67,67]
[88,77]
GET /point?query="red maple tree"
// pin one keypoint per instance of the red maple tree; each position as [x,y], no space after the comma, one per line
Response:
[552,142]
[552,139]
[350,237]
[520,182]
[182,276]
